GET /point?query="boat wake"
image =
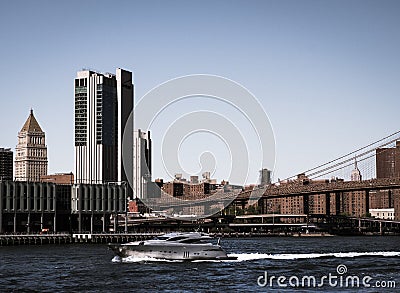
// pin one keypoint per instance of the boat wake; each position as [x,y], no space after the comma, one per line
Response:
[259,256]
[132,259]
[294,256]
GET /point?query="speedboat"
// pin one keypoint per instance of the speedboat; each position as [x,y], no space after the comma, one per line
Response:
[173,246]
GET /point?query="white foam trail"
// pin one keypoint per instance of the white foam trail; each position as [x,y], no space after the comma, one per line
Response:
[257,256]
[116,259]
[133,259]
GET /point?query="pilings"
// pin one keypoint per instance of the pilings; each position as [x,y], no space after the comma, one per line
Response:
[34,239]
[38,239]
[112,238]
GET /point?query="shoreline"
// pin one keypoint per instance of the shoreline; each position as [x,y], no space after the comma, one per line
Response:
[104,238]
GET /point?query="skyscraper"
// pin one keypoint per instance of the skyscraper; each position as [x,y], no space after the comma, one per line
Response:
[6,164]
[31,152]
[141,163]
[103,127]
[265,177]
[356,173]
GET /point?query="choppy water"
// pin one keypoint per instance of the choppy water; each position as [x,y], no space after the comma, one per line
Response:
[93,268]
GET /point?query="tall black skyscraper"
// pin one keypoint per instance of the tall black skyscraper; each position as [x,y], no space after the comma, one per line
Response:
[6,164]
[103,127]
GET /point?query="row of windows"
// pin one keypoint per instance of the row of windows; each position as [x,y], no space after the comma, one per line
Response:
[37,152]
[80,82]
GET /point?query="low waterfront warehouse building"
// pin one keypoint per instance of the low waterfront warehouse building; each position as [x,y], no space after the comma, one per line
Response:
[30,207]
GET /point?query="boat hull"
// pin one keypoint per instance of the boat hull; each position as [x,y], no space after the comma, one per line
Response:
[171,251]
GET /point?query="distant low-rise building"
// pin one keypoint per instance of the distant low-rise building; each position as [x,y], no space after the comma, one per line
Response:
[189,190]
[58,178]
[380,199]
[174,189]
[385,214]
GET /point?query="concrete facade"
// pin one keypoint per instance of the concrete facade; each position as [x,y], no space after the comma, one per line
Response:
[141,163]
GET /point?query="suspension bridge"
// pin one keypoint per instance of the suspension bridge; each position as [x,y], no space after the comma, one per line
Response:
[352,184]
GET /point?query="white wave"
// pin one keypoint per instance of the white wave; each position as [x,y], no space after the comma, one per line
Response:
[378,253]
[116,259]
[289,256]
[133,259]
[259,256]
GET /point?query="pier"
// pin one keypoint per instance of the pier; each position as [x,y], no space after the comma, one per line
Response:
[112,237]
[34,239]
[41,239]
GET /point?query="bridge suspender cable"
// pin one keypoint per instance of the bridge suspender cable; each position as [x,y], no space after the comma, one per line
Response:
[349,154]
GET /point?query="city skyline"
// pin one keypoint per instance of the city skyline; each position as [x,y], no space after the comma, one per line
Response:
[324,72]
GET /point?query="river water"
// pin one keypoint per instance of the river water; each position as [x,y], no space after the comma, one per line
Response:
[278,264]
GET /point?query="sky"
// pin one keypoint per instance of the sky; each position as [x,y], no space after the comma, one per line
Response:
[325,72]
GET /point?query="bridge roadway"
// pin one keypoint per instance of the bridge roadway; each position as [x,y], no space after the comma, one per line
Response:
[295,189]
[287,190]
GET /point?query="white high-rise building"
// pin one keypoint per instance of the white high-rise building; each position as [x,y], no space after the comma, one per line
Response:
[141,163]
[103,127]
[31,152]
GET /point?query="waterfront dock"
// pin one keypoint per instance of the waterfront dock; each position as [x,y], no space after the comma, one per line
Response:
[41,239]
[34,239]
[104,238]
[112,237]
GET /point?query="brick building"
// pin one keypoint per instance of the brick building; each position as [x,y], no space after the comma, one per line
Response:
[388,162]
[61,178]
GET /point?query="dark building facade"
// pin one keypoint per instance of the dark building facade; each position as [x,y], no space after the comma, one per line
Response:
[94,204]
[388,162]
[103,127]
[6,164]
[29,207]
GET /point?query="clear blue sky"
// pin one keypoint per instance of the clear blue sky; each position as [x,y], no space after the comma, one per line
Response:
[326,72]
